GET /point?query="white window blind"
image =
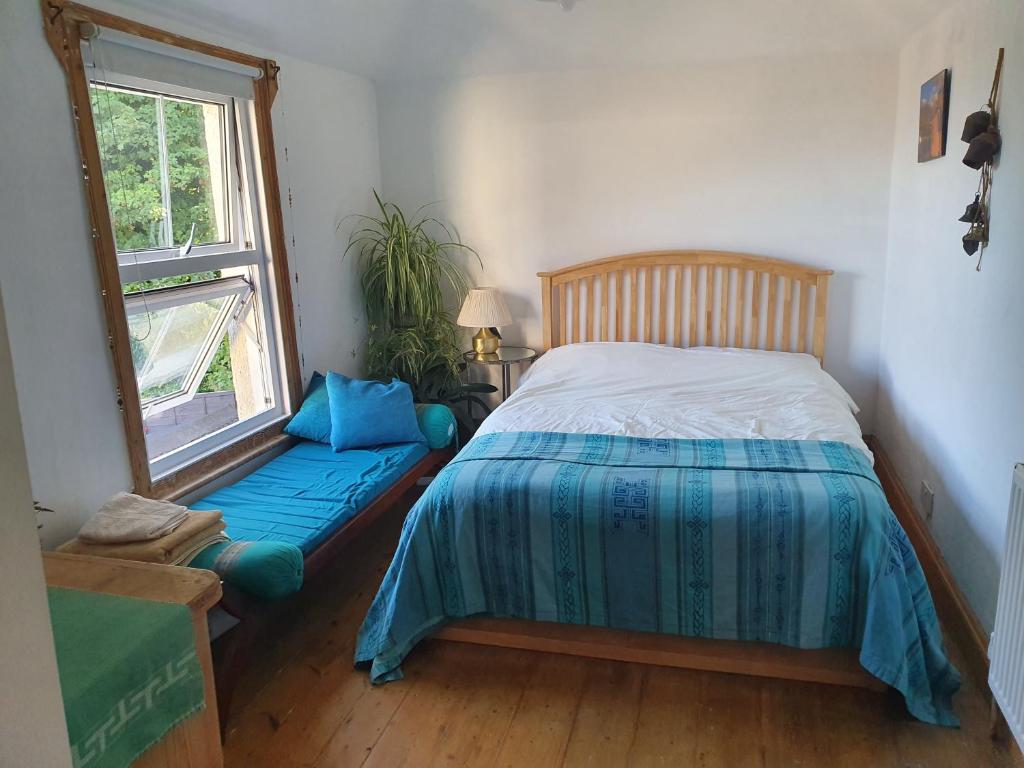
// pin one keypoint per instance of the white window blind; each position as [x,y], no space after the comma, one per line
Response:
[111,53]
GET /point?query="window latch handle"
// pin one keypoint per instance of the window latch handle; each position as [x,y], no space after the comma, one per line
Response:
[186,249]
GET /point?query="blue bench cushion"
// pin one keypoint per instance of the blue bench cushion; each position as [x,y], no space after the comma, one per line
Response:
[309,492]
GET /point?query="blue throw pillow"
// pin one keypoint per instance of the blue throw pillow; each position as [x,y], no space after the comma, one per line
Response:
[370,413]
[313,421]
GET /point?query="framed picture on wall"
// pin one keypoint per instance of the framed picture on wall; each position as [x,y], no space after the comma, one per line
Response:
[931,135]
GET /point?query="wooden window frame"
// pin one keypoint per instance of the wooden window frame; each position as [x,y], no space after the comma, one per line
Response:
[61,23]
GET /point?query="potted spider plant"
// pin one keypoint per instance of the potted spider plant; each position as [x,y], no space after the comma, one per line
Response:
[410,279]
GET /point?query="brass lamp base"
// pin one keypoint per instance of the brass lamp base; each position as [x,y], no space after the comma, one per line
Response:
[486,342]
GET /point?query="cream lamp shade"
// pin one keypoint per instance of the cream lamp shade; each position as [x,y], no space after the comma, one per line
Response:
[484,308]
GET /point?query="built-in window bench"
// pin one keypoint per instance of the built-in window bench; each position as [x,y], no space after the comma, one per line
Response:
[320,501]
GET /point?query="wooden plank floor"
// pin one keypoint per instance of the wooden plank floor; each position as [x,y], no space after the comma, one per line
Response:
[302,704]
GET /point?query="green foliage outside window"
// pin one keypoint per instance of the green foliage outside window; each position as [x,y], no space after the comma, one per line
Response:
[189,168]
[127,127]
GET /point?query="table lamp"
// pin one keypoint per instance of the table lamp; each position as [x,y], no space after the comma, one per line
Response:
[485,308]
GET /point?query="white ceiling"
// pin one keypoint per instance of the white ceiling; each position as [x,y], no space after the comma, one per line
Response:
[392,39]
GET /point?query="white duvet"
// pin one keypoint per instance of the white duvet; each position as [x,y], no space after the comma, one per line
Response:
[647,390]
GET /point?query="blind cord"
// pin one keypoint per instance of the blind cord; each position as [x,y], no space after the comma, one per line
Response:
[100,60]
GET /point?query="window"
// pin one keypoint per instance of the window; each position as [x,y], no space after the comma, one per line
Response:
[190,248]
[165,166]
[175,170]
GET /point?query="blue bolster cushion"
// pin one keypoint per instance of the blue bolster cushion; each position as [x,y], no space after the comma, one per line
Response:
[437,423]
[267,569]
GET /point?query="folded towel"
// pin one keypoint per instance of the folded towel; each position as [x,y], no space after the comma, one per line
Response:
[127,517]
[177,544]
[152,551]
[188,551]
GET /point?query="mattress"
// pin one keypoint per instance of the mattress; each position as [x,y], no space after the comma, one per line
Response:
[309,492]
[653,391]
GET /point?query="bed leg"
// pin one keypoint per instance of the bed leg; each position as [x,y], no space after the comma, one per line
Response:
[998,730]
[226,673]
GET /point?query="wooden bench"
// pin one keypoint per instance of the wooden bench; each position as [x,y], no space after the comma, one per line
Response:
[232,651]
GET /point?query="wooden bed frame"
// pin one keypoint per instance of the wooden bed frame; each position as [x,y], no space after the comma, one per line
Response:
[835,666]
[686,299]
[682,299]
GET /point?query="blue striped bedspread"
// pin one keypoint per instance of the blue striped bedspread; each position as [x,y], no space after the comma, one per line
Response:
[789,542]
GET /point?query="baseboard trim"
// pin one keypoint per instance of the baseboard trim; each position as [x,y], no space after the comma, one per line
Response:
[955,612]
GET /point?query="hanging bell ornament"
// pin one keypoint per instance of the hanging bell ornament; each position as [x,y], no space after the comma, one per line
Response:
[973,211]
[975,125]
[983,148]
[974,238]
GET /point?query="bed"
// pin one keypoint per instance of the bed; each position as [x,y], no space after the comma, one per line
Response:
[676,481]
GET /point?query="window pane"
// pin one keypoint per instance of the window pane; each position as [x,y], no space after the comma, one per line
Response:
[199,358]
[168,344]
[218,376]
[165,282]
[165,168]
[212,408]
[197,171]
[128,133]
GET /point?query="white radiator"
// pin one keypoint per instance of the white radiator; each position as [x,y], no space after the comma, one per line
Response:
[1006,651]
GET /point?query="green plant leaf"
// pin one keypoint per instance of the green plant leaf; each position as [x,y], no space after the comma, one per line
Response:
[406,271]
[478,388]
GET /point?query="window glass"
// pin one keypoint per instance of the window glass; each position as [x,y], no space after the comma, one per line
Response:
[209,410]
[168,345]
[196,170]
[129,140]
[184,338]
[165,168]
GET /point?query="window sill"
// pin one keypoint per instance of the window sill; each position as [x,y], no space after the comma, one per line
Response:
[205,470]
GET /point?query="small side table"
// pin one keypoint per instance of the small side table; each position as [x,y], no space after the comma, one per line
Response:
[506,357]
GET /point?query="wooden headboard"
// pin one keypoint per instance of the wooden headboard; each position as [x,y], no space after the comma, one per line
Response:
[686,299]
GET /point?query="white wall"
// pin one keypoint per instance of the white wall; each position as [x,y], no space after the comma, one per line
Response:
[32,728]
[73,431]
[329,121]
[62,368]
[951,409]
[784,157]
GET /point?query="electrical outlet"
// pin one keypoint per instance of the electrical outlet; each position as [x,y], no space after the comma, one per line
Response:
[927,500]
